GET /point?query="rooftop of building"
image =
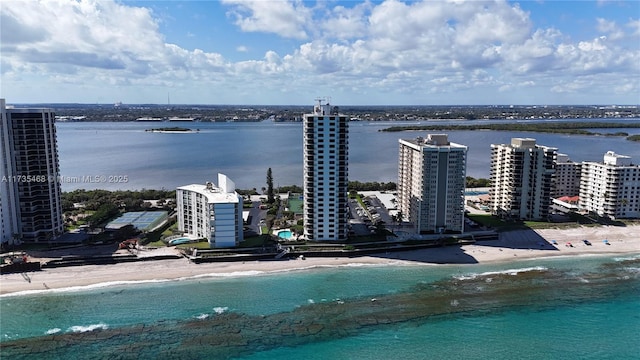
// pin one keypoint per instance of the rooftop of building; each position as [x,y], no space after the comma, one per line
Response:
[432,141]
[524,144]
[610,158]
[214,194]
[13,109]
[323,108]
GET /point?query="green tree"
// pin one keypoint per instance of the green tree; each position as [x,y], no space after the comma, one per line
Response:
[290,189]
[104,213]
[476,183]
[397,218]
[270,193]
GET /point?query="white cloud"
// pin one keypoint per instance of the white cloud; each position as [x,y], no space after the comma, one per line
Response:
[610,28]
[287,19]
[498,24]
[399,50]
[346,23]
[635,26]
[99,34]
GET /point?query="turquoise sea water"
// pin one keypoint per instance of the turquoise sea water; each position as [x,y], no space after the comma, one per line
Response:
[559,308]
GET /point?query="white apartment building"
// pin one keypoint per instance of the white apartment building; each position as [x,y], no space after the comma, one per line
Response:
[611,188]
[431,183]
[211,212]
[566,179]
[521,179]
[30,205]
[325,174]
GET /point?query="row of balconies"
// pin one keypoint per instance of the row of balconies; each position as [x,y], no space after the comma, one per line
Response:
[33,151]
[310,129]
[315,157]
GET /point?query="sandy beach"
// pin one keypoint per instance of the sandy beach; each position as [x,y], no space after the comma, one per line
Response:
[511,246]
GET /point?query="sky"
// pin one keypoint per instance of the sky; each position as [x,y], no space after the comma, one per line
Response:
[273,52]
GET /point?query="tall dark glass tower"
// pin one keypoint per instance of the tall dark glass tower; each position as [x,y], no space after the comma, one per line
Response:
[30,205]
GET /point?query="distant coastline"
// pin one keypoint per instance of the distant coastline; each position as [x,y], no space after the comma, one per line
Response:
[570,128]
[293,113]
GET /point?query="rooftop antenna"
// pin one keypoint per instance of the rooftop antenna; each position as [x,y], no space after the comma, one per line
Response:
[318,108]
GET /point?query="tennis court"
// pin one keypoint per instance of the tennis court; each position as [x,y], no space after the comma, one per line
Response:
[141,220]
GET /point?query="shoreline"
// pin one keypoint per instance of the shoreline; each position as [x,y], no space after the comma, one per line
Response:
[511,246]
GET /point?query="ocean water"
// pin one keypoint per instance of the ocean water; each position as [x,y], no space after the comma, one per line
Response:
[244,152]
[584,307]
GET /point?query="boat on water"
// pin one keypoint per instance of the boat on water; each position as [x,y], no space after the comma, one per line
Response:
[176,118]
[147,118]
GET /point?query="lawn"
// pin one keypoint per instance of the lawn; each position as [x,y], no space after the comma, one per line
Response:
[487,220]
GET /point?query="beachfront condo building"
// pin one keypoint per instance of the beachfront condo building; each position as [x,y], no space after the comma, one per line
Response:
[30,205]
[521,178]
[211,212]
[611,188]
[325,174]
[431,184]
[566,179]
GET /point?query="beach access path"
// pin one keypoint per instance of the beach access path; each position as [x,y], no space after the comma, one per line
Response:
[511,246]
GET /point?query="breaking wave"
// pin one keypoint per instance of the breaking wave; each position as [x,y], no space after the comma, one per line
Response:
[92,327]
[512,272]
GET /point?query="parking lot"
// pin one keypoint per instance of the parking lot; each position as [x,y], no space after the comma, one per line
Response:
[364,218]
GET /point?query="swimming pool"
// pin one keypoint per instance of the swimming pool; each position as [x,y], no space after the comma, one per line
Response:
[285,234]
[475,193]
[178,241]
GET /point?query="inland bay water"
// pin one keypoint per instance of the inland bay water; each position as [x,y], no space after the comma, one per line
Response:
[120,151]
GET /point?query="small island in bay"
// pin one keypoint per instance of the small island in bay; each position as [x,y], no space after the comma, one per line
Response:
[174,129]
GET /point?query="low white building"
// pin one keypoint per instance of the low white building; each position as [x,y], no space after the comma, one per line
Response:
[611,188]
[211,212]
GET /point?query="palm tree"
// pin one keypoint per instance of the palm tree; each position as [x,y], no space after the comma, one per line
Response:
[397,218]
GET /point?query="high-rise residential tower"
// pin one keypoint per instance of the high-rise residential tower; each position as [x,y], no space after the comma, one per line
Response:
[566,179]
[30,205]
[211,212]
[431,183]
[612,187]
[521,179]
[326,154]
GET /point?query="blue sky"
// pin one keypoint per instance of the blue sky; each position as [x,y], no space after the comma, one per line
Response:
[388,52]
